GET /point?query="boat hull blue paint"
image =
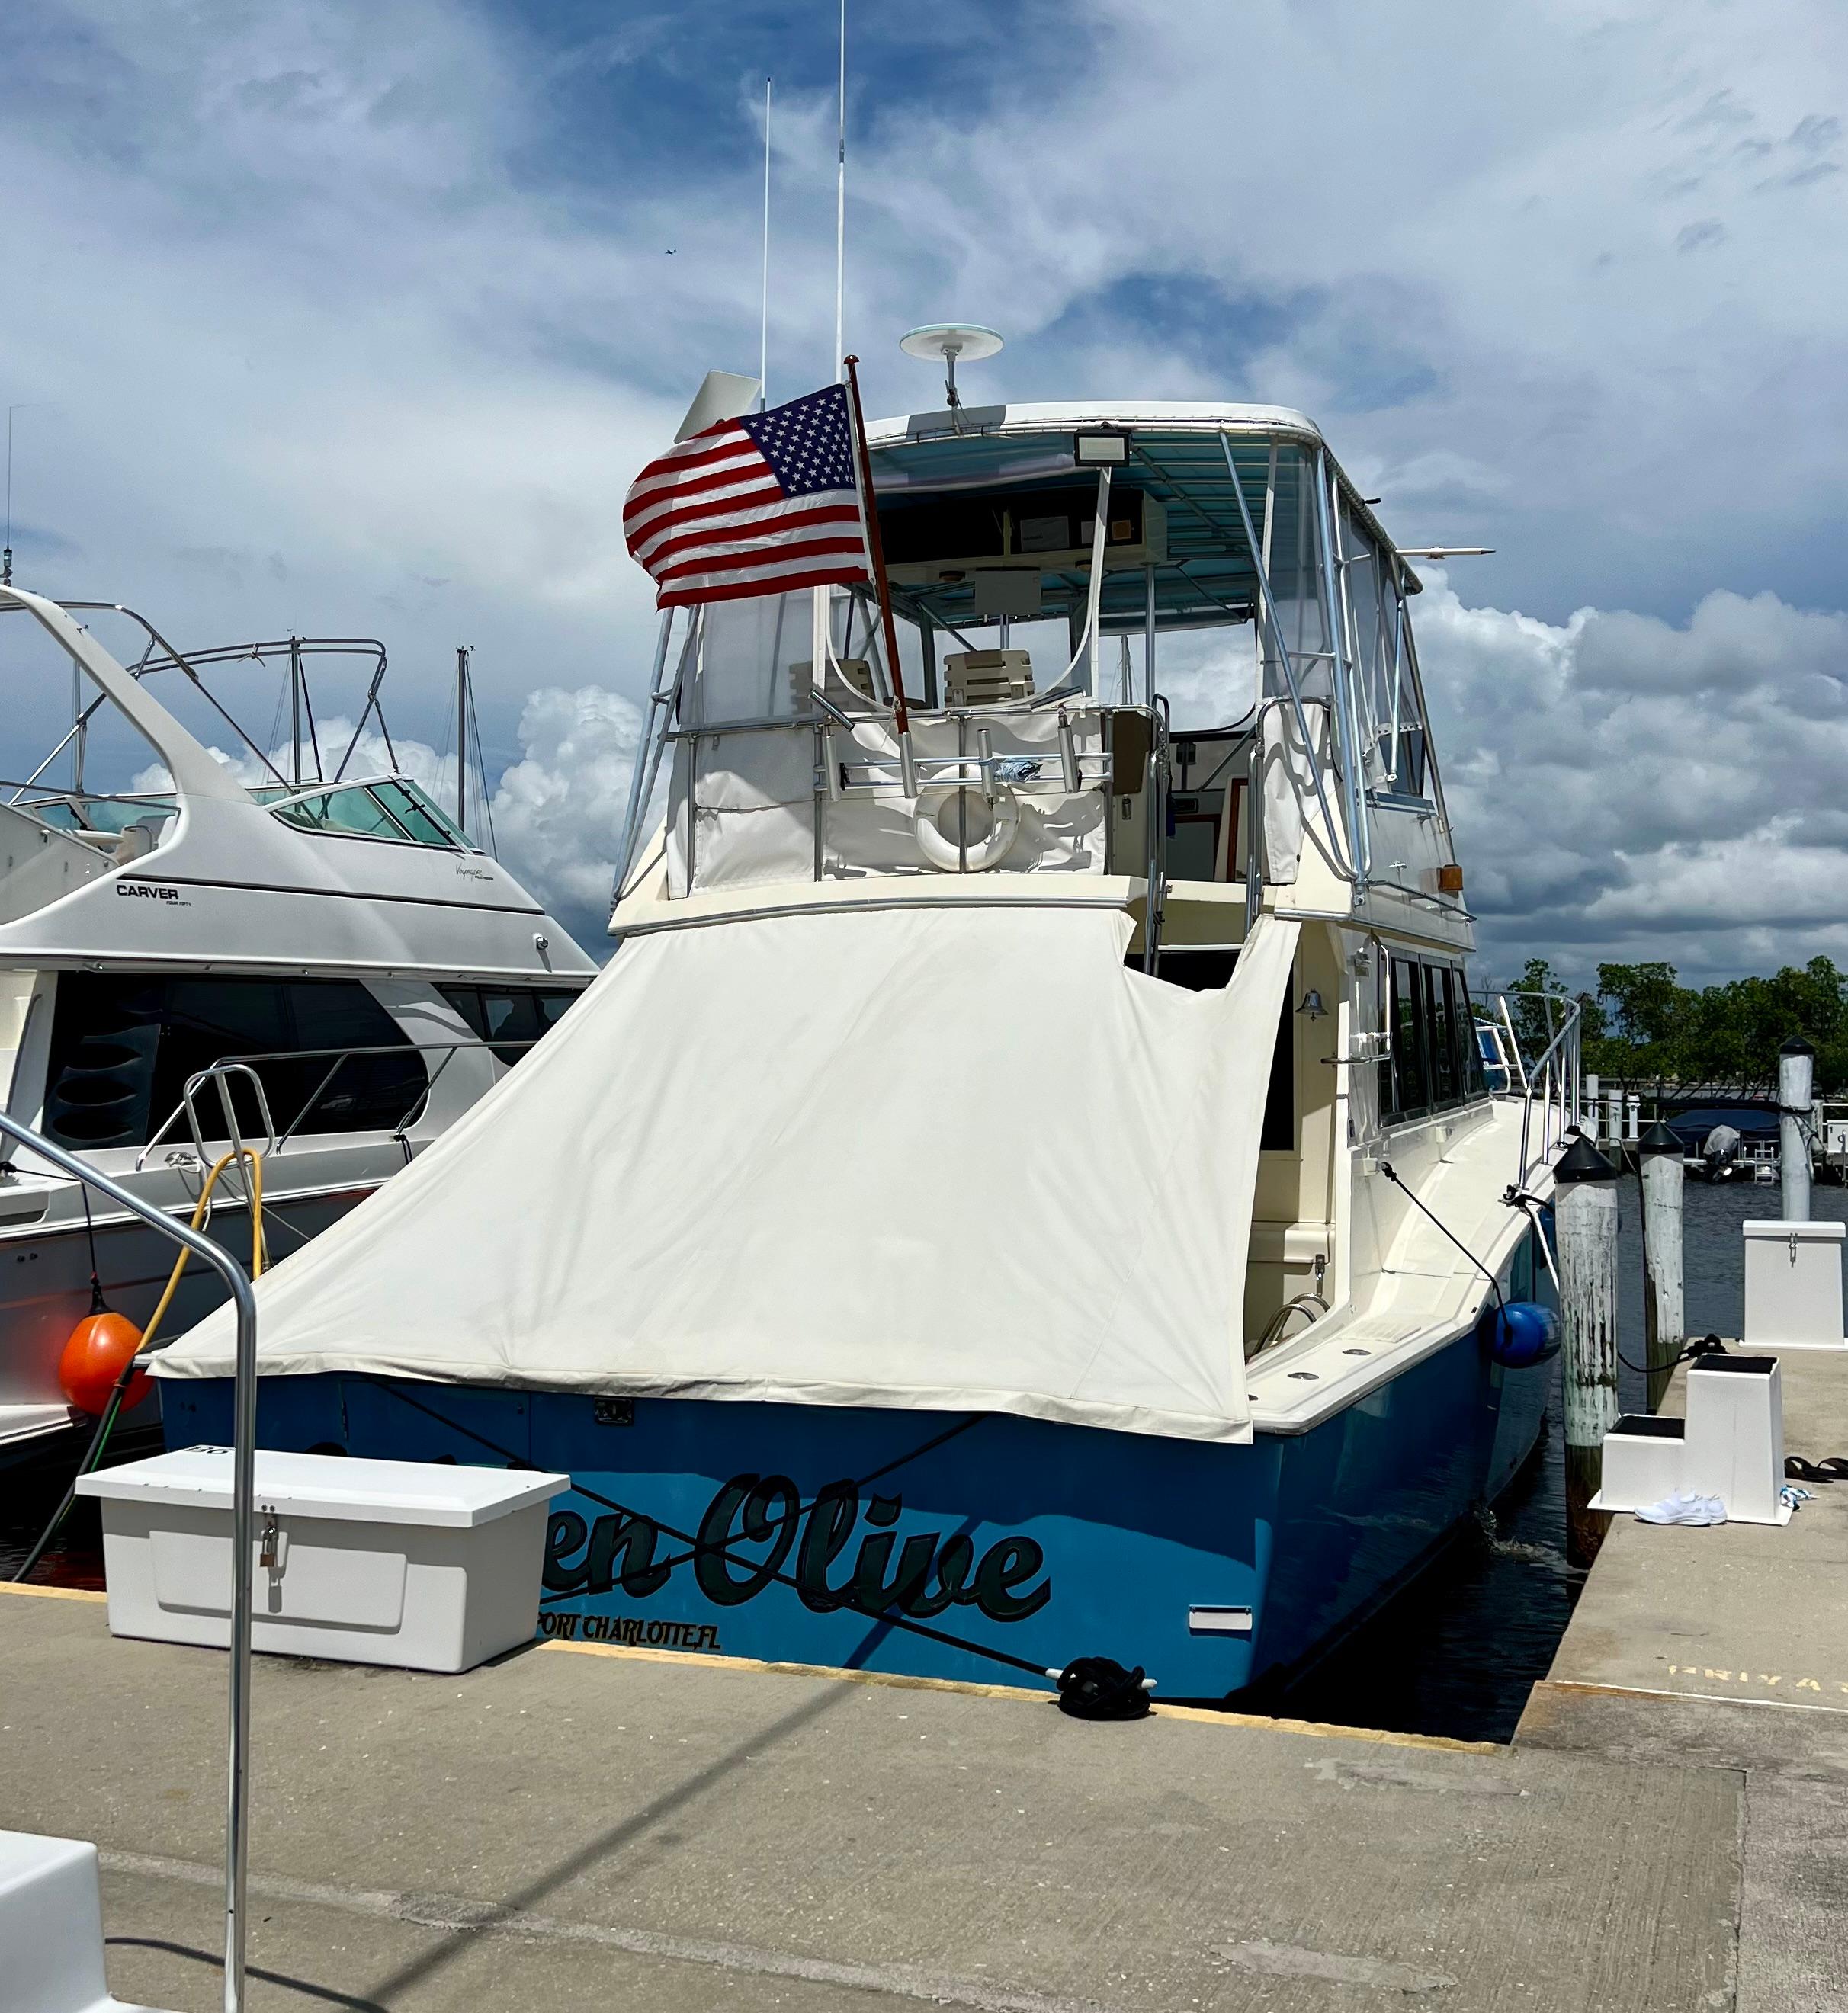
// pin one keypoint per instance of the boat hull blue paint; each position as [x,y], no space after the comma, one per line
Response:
[859,1537]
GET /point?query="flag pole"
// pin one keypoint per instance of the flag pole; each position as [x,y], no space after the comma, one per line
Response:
[764,323]
[875,550]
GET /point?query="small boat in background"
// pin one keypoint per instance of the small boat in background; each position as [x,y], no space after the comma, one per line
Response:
[1729,1142]
[320,963]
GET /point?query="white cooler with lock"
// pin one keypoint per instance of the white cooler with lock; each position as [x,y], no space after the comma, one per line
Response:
[421,1564]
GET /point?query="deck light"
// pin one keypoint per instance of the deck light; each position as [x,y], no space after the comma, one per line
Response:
[1105,450]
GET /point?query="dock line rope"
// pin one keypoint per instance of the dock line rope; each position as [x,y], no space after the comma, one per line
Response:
[724,1550]
[1391,1175]
[1708,1345]
[865,1481]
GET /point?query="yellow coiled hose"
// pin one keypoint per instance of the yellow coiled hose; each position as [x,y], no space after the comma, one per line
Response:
[259,1251]
[258,1258]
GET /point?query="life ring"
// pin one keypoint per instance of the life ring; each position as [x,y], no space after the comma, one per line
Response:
[980,854]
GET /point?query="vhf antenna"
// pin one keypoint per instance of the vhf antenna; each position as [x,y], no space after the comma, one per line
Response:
[763,322]
[463,654]
[840,217]
[6,550]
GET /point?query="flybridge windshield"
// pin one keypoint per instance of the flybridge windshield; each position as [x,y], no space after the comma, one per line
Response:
[392,809]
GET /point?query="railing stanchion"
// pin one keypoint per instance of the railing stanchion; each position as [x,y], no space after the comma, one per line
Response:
[243,1522]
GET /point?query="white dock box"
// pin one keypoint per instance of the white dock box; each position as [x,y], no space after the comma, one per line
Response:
[1793,1284]
[415,1563]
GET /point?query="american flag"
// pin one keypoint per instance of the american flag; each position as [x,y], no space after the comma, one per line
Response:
[761,505]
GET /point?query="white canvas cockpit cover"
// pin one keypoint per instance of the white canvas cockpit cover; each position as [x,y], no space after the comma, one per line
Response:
[939,1159]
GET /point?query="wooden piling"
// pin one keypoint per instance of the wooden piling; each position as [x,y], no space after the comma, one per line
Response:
[1585,1208]
[1664,1318]
[1797,1069]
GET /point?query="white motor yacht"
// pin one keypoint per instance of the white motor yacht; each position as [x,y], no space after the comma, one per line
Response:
[1038,1193]
[323,965]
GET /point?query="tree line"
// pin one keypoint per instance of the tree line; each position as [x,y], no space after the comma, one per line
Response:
[1642,1024]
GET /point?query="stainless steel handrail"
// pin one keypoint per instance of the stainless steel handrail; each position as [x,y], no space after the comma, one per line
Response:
[952,772]
[221,1073]
[243,1522]
[448,1050]
[1552,1083]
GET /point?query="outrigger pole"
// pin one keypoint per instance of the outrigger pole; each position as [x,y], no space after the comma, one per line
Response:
[875,550]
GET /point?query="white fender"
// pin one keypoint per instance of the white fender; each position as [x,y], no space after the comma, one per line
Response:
[981,854]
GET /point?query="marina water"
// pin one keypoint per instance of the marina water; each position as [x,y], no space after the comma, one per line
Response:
[1456,1654]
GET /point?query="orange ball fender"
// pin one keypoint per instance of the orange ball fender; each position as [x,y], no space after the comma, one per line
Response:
[98,1347]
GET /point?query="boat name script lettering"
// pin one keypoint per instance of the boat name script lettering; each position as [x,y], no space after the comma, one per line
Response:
[756,1530]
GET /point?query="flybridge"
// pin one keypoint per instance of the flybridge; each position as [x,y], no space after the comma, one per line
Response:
[1035,557]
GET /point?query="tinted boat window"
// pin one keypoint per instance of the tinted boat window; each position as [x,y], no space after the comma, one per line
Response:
[1410,1091]
[354,810]
[1436,1060]
[123,1047]
[516,1015]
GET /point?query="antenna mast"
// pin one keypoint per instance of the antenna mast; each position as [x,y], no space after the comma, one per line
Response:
[462,657]
[6,551]
[295,711]
[840,219]
[764,325]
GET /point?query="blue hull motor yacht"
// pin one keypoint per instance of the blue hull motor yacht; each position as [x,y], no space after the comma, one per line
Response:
[1033,1190]
[296,955]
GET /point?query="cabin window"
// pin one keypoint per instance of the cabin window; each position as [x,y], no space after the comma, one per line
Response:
[1435,1062]
[515,1015]
[1411,1088]
[124,1045]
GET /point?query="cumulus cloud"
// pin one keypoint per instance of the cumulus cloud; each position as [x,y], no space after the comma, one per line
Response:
[1625,787]
[558,811]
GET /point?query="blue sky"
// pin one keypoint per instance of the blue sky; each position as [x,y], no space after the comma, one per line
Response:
[359,318]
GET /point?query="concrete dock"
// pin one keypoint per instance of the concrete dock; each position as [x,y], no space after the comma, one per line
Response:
[579,1826]
[1727,1648]
[578,1829]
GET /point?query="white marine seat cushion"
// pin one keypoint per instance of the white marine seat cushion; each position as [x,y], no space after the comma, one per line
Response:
[943,1159]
